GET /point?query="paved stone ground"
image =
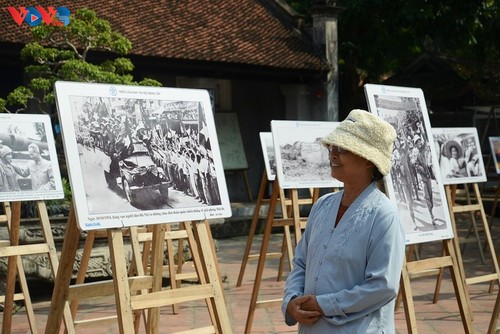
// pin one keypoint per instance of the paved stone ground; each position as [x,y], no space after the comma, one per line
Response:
[440,317]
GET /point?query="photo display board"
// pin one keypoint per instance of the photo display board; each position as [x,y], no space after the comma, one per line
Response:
[230,141]
[29,169]
[414,181]
[301,160]
[266,141]
[141,155]
[459,155]
[495,152]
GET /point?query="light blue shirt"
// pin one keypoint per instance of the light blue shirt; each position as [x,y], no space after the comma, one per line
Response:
[353,269]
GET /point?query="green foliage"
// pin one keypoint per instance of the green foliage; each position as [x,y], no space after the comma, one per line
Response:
[378,37]
[60,53]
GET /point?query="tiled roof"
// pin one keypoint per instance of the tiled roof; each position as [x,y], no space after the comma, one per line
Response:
[238,32]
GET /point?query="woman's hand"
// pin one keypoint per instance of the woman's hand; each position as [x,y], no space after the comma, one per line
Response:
[304,309]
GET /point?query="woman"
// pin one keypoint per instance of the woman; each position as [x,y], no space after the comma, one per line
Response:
[456,163]
[347,265]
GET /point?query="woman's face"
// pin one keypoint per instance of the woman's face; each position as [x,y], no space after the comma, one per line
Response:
[454,152]
[348,167]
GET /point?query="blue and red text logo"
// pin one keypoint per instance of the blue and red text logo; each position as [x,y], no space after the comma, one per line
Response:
[58,16]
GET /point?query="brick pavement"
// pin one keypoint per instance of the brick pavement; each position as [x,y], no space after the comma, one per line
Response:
[440,317]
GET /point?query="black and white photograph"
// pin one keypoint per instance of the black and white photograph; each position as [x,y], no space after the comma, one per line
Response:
[29,169]
[415,179]
[266,141]
[140,155]
[301,160]
[495,152]
[459,155]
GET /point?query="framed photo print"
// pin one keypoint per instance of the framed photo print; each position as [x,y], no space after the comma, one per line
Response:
[29,169]
[414,182]
[266,141]
[141,155]
[459,155]
[495,152]
[301,160]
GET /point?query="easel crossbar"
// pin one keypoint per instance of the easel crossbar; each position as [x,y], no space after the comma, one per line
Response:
[169,297]
[17,296]
[466,208]
[481,279]
[269,302]
[106,288]
[415,267]
[24,250]
[95,322]
[169,235]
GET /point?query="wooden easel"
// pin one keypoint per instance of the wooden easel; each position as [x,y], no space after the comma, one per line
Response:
[494,316]
[287,245]
[296,221]
[14,251]
[472,208]
[261,200]
[413,268]
[127,304]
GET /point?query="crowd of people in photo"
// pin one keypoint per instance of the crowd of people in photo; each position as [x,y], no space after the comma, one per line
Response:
[173,140]
[413,170]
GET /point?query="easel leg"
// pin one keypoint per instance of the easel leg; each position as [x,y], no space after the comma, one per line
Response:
[11,269]
[262,259]
[494,316]
[63,277]
[460,289]
[405,291]
[211,266]
[84,263]
[253,227]
[157,273]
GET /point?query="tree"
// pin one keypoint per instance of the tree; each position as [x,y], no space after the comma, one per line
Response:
[378,37]
[61,53]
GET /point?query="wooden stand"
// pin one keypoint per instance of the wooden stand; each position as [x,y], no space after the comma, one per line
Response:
[413,268]
[494,316]
[261,200]
[14,251]
[127,304]
[472,208]
[271,221]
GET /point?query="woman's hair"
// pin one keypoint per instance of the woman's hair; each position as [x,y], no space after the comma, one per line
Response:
[377,175]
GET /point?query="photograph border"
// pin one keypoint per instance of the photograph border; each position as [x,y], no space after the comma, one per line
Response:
[289,133]
[423,212]
[70,116]
[18,143]
[266,138]
[450,134]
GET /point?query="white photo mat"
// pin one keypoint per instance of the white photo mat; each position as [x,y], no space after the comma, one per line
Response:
[266,141]
[17,132]
[126,145]
[418,197]
[459,155]
[301,160]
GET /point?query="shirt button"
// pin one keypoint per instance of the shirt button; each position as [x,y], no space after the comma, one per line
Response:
[315,278]
[324,246]
[320,262]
